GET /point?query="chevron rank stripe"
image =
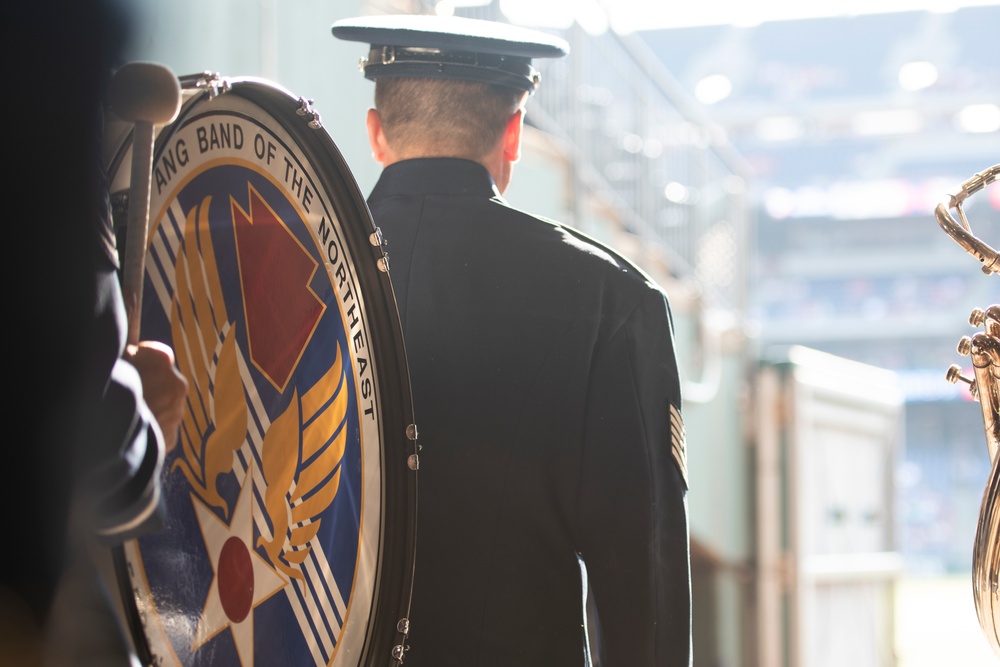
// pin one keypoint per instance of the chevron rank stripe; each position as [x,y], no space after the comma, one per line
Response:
[678,442]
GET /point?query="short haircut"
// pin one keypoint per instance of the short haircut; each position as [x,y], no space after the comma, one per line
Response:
[444,117]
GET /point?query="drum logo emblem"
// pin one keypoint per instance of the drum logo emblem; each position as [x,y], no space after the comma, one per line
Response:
[263,488]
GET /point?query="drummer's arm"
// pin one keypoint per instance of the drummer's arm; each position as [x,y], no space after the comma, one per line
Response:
[633,512]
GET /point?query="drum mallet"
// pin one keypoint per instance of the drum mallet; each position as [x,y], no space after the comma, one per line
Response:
[146,94]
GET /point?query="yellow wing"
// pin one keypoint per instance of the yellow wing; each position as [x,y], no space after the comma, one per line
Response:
[215,416]
[302,479]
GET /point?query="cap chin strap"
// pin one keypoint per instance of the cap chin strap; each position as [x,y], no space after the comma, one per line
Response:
[419,62]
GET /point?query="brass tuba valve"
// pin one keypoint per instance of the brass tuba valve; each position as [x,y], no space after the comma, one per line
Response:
[954,375]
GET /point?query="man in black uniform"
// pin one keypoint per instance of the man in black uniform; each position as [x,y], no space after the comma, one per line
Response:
[544,378]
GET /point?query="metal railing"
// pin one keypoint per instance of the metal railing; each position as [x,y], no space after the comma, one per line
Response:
[648,153]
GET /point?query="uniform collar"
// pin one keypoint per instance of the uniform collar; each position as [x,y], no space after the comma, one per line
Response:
[435,176]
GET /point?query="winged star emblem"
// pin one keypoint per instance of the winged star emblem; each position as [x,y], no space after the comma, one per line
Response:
[290,475]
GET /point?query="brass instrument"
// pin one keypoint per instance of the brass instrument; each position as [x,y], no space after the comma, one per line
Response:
[961,232]
[983,348]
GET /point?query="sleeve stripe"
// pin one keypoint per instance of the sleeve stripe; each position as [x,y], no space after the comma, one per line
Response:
[678,442]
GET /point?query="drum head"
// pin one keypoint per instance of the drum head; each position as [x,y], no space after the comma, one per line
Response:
[290,499]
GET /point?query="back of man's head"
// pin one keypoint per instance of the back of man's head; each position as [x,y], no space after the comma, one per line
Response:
[444,117]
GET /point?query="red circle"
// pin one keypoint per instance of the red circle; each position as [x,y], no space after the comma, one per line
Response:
[235,575]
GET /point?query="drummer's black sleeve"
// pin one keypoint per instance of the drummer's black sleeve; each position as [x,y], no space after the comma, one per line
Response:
[633,513]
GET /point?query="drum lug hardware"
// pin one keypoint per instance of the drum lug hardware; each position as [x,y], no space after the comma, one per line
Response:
[306,111]
[383,264]
[376,238]
[213,83]
[399,650]
[411,432]
[413,462]
[119,207]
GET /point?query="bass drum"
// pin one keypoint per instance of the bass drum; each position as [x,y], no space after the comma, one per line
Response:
[291,495]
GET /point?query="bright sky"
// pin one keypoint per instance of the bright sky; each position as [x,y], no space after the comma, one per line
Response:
[631,15]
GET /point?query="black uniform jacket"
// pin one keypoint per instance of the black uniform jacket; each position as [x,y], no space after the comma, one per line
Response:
[545,391]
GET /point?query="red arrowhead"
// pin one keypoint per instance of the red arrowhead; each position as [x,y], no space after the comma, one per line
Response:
[281,309]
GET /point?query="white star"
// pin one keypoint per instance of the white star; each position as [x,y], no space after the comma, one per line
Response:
[243,579]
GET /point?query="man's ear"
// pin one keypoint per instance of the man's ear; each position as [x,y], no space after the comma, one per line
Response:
[512,136]
[376,137]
